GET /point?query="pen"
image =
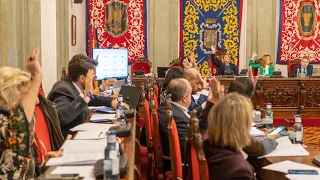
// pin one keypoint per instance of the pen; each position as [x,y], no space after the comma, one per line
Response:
[100,134]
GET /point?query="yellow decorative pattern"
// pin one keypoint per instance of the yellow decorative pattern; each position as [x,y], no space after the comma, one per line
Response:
[230,30]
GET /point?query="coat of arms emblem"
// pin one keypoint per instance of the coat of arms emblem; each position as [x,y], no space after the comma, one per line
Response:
[116,18]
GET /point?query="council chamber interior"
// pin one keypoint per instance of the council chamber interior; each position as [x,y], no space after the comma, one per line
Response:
[170,89]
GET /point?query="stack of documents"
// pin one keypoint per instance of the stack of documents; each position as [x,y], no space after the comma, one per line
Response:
[256,132]
[285,165]
[104,109]
[102,117]
[84,171]
[286,148]
[80,152]
[92,126]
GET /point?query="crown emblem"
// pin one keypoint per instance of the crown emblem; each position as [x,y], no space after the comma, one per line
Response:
[211,21]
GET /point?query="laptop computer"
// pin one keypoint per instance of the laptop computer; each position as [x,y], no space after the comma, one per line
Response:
[117,86]
[133,93]
[243,72]
[162,71]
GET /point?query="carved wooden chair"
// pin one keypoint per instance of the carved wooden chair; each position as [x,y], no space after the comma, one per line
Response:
[292,64]
[157,146]
[174,143]
[176,63]
[153,96]
[63,74]
[141,64]
[198,167]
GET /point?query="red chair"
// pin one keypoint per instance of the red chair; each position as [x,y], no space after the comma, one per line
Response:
[176,63]
[197,164]
[292,64]
[174,144]
[141,64]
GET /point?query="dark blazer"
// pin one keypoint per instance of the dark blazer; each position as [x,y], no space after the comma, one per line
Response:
[224,163]
[72,109]
[295,70]
[221,66]
[181,121]
[197,105]
[51,116]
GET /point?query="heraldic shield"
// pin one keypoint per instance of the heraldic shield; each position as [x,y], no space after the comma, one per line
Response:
[116,18]
[210,35]
[307,18]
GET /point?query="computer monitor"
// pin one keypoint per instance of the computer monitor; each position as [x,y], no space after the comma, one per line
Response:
[113,63]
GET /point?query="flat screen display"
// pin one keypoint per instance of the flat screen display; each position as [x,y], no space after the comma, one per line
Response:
[113,63]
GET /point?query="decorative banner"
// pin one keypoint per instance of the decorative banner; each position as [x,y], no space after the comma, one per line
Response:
[206,23]
[117,24]
[299,30]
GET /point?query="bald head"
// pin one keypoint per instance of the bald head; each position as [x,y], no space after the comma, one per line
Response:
[195,79]
[180,90]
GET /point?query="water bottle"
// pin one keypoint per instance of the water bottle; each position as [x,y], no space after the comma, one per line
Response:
[269,117]
[129,83]
[298,73]
[298,130]
[120,109]
[111,164]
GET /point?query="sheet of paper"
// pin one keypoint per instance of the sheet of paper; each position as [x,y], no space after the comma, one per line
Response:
[75,159]
[102,117]
[84,171]
[256,132]
[253,124]
[92,134]
[285,165]
[92,126]
[286,148]
[84,146]
[95,107]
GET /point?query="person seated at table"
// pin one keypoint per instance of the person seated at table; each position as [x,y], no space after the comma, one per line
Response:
[199,88]
[245,87]
[228,134]
[305,69]
[18,95]
[73,96]
[172,73]
[180,90]
[226,67]
[265,68]
[48,136]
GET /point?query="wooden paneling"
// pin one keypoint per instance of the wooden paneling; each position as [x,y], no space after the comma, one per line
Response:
[288,96]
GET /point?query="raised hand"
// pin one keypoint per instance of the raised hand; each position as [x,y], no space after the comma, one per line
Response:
[186,64]
[89,80]
[254,55]
[109,82]
[213,49]
[193,60]
[216,90]
[33,64]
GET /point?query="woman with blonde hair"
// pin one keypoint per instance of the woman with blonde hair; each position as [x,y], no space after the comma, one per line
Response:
[229,124]
[18,96]
[265,66]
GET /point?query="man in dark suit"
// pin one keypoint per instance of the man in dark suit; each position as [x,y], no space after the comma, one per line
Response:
[305,69]
[198,87]
[180,90]
[74,94]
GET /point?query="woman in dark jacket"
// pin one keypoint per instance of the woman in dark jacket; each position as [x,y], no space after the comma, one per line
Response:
[227,134]
[225,67]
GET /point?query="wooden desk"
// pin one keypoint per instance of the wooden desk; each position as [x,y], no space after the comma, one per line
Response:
[129,145]
[267,174]
[288,96]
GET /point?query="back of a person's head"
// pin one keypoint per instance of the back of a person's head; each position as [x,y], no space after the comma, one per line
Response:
[11,82]
[172,73]
[178,88]
[243,86]
[80,65]
[229,122]
[191,74]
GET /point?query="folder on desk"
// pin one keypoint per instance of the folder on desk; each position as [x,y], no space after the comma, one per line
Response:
[102,117]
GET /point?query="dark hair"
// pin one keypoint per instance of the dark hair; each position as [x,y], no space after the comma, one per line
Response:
[178,88]
[172,73]
[80,65]
[243,86]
